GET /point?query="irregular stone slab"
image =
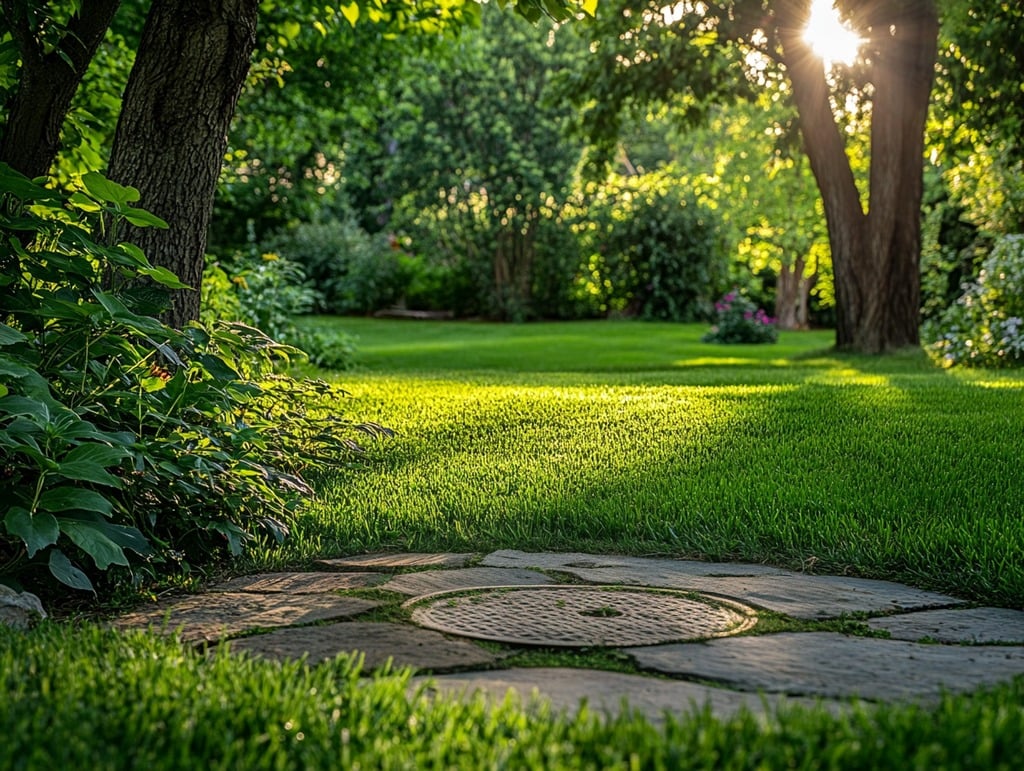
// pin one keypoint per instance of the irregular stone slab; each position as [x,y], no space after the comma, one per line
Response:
[399,561]
[571,561]
[405,645]
[796,594]
[956,625]
[214,616]
[835,665]
[19,610]
[605,692]
[431,581]
[299,583]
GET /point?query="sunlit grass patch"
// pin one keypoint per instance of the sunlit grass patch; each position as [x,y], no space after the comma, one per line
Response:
[886,467]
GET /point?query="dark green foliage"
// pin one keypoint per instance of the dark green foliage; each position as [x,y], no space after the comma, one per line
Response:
[353,272]
[118,433]
[268,292]
[738,320]
[478,170]
[653,250]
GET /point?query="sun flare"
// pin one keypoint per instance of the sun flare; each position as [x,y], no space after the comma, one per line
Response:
[829,37]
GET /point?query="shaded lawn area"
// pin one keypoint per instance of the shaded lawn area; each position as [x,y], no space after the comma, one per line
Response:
[635,437]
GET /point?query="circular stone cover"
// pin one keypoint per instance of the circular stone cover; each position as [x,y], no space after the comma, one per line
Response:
[579,616]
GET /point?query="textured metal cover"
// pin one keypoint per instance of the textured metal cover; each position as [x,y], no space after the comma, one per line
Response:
[579,616]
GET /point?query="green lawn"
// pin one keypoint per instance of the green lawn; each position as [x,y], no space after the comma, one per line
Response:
[621,436]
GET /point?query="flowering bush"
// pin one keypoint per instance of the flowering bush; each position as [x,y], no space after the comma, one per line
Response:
[738,320]
[985,326]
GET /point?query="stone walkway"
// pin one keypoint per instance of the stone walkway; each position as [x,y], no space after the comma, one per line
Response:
[691,628]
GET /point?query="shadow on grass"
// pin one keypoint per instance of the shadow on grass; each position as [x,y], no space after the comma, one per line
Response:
[891,472]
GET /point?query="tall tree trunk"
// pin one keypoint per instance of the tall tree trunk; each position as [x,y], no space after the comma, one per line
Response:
[172,134]
[793,296]
[875,255]
[47,82]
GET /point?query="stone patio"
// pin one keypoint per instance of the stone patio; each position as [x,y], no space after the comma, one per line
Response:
[936,643]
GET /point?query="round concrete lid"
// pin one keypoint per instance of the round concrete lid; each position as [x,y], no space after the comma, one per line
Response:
[574,616]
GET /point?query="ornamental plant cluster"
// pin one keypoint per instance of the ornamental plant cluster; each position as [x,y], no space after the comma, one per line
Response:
[738,320]
[985,326]
[126,444]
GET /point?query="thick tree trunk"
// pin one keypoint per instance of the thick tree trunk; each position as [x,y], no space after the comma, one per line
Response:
[875,255]
[172,134]
[792,296]
[47,82]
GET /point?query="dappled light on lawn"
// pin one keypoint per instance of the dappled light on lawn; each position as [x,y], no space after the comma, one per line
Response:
[829,36]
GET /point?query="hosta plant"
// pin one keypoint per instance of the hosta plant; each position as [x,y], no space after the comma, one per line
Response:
[125,442]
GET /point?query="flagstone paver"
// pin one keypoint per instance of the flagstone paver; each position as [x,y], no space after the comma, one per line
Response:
[430,581]
[404,645]
[299,583]
[564,689]
[216,615]
[782,666]
[795,594]
[834,665]
[956,625]
[399,561]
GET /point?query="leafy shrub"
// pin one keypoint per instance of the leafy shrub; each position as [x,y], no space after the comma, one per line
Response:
[267,292]
[123,440]
[738,320]
[985,326]
[652,250]
[354,272]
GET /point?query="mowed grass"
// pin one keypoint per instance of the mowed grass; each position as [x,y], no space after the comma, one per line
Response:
[635,437]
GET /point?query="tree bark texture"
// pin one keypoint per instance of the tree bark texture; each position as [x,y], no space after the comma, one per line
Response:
[793,296]
[47,82]
[191,64]
[875,254]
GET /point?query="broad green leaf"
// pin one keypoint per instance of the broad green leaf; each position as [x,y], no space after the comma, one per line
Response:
[23,405]
[291,29]
[68,574]
[89,462]
[143,219]
[92,540]
[125,537]
[10,335]
[70,498]
[37,531]
[218,368]
[3,390]
[21,187]
[111,304]
[589,7]
[164,276]
[81,201]
[351,12]
[106,190]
